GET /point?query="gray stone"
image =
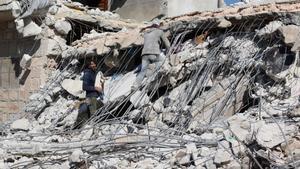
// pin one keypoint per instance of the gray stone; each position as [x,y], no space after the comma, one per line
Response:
[222,157]
[182,157]
[31,29]
[270,28]
[3,165]
[134,115]
[296,46]
[240,127]
[75,156]
[53,10]
[21,124]
[210,164]
[289,33]
[119,86]
[63,27]
[25,61]
[270,135]
[223,23]
[53,48]
[234,165]
[50,20]
[205,151]
[168,116]
[70,52]
[139,99]
[56,90]
[73,87]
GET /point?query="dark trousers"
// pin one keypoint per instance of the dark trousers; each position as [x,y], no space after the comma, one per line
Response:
[87,110]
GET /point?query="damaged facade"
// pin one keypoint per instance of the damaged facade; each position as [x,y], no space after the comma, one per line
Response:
[227,96]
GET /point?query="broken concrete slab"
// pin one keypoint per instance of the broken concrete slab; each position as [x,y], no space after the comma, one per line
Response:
[271,135]
[63,27]
[21,124]
[290,33]
[74,87]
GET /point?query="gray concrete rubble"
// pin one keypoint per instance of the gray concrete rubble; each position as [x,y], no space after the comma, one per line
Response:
[226,96]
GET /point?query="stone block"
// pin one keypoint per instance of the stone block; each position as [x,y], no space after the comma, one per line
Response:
[3,94]
[25,61]
[24,94]
[34,83]
[35,72]
[13,107]
[14,95]
[3,116]
[5,80]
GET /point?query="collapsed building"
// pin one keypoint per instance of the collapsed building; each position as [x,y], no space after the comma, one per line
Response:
[227,96]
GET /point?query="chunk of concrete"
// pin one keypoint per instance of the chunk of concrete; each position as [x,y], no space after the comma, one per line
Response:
[21,124]
[139,99]
[289,33]
[210,164]
[50,20]
[224,23]
[31,29]
[75,156]
[25,61]
[73,87]
[119,86]
[270,135]
[222,157]
[239,126]
[63,27]
[270,28]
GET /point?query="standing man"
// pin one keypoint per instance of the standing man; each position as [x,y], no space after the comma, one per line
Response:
[154,38]
[92,91]
[93,94]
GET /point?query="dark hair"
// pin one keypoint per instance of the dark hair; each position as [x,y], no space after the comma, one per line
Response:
[88,62]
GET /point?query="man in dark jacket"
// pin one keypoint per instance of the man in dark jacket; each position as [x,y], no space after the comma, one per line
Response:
[93,94]
[92,91]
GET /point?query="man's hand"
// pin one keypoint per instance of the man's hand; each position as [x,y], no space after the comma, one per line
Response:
[98,88]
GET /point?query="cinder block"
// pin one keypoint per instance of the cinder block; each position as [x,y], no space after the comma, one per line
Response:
[3,95]
[14,95]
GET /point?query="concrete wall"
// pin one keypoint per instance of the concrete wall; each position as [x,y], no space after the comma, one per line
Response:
[143,10]
[140,10]
[13,95]
[178,7]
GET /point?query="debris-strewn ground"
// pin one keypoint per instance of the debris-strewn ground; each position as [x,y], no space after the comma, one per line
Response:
[226,97]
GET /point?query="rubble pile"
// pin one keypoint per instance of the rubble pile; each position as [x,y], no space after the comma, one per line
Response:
[227,96]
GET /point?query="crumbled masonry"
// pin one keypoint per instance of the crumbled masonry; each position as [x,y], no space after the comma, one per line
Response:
[226,97]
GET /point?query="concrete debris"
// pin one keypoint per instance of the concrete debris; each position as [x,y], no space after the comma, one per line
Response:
[75,156]
[30,29]
[270,28]
[21,124]
[25,61]
[226,96]
[290,33]
[275,135]
[62,27]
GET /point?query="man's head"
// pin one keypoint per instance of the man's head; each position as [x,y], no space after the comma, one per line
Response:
[91,64]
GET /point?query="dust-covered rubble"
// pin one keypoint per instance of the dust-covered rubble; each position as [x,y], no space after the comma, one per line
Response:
[226,96]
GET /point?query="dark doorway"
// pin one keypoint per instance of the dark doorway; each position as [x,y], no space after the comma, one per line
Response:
[102,4]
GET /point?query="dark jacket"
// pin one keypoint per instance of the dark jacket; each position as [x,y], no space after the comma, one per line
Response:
[88,85]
